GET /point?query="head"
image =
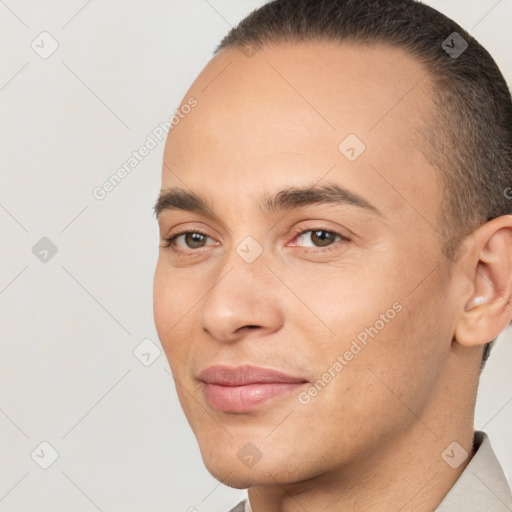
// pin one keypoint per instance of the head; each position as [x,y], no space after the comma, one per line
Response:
[343,182]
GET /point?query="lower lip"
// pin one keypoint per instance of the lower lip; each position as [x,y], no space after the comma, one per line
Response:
[246,398]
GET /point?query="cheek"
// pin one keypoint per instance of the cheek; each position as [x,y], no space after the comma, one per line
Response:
[349,306]
[173,297]
[390,342]
[398,367]
[161,301]
[176,296]
[169,312]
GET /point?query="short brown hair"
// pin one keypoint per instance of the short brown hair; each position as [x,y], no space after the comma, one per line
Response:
[469,136]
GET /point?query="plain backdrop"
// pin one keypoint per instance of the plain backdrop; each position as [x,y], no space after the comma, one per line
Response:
[71,320]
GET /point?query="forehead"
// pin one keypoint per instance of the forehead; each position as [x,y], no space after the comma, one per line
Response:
[281,115]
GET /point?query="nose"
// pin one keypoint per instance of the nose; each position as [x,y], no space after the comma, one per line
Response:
[243,299]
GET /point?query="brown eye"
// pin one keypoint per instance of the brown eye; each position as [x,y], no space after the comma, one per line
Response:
[187,240]
[194,240]
[318,238]
[322,238]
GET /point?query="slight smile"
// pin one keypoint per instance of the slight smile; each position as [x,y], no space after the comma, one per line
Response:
[243,388]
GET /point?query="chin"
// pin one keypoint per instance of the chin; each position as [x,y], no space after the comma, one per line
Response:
[233,480]
[226,467]
[241,478]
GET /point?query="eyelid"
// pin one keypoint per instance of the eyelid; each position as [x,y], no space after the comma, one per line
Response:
[170,240]
[300,231]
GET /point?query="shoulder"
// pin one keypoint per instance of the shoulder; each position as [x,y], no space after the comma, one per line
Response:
[239,508]
[482,486]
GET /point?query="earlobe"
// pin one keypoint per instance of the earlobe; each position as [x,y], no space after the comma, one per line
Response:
[488,310]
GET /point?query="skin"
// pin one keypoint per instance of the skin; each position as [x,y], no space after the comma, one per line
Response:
[372,439]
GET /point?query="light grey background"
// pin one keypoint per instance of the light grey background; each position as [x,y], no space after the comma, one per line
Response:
[69,326]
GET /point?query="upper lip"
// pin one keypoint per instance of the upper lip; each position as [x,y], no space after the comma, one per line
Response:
[225,375]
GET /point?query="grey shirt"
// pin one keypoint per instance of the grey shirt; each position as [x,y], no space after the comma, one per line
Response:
[482,486]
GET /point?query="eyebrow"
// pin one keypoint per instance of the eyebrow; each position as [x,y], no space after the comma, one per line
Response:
[285,200]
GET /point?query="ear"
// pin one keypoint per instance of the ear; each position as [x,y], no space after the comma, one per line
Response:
[488,309]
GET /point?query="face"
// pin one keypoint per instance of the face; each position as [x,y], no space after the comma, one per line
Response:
[341,287]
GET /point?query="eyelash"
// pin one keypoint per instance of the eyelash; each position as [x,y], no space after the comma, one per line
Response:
[169,241]
[332,247]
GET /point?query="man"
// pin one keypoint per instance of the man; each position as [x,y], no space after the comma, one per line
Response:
[336,258]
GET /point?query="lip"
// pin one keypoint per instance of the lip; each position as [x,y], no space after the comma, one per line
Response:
[242,388]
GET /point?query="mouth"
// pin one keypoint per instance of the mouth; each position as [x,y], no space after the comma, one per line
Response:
[244,388]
